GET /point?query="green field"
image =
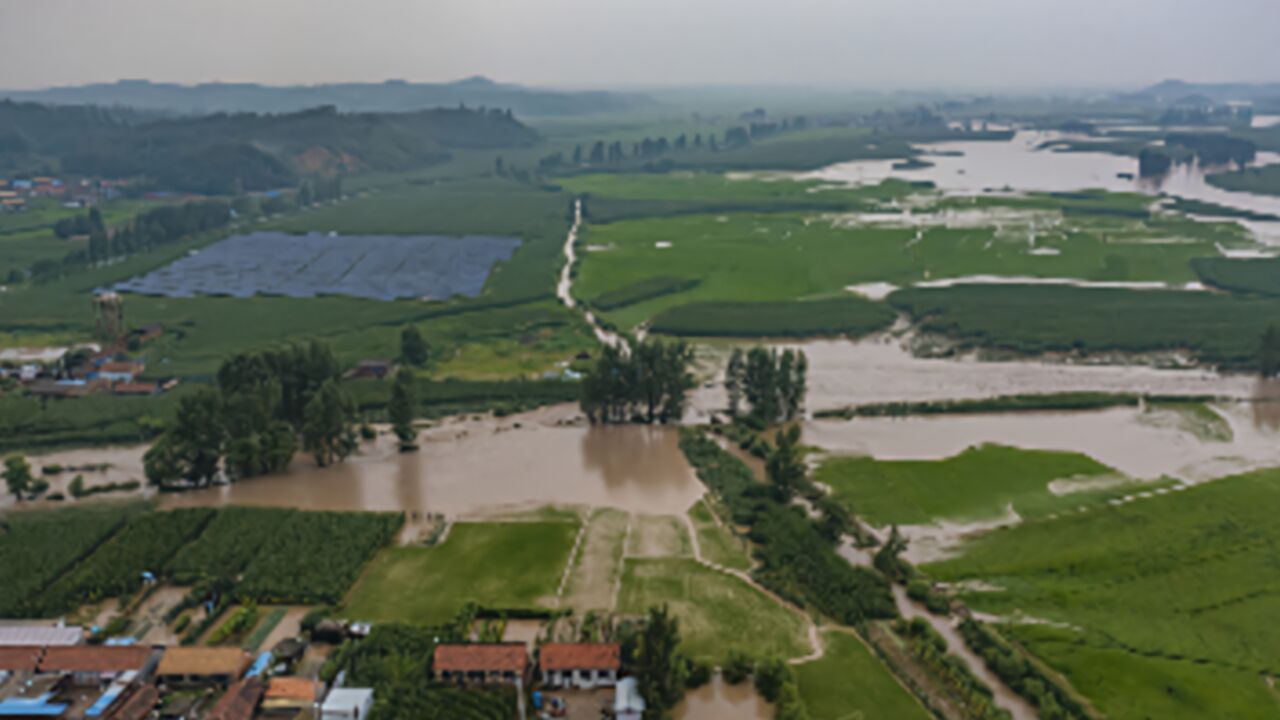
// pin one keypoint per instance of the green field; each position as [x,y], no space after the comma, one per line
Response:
[499,565]
[1218,329]
[848,315]
[978,484]
[1259,276]
[1166,604]
[850,682]
[719,544]
[719,614]
[1263,180]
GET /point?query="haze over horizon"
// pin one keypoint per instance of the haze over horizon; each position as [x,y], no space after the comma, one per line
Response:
[873,44]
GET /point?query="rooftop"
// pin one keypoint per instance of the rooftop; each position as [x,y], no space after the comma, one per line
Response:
[19,659]
[481,657]
[29,635]
[292,689]
[238,702]
[203,661]
[343,698]
[95,658]
[580,656]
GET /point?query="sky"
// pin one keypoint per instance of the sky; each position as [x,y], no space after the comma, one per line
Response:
[875,44]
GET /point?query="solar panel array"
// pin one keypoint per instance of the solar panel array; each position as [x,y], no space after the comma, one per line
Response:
[380,267]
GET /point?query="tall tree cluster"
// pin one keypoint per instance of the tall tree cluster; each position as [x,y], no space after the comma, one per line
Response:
[1269,352]
[265,406]
[648,384]
[772,383]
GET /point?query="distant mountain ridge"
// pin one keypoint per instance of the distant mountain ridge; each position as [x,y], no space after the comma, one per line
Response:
[389,96]
[1172,91]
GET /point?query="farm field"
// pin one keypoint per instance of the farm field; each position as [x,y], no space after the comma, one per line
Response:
[1217,329]
[1162,605]
[980,483]
[849,681]
[501,565]
[718,543]
[1259,276]
[1263,180]
[719,614]
[750,256]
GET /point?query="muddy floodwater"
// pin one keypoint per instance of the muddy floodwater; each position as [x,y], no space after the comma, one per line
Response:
[1145,444]
[482,466]
[880,369]
[1023,163]
[718,700]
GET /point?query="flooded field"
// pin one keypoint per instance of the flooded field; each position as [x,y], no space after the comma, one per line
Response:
[477,467]
[1022,165]
[1140,443]
[880,369]
[718,700]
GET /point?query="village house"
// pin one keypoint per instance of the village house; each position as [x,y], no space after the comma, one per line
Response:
[118,371]
[370,370]
[481,663]
[289,696]
[628,703]
[239,702]
[135,388]
[94,664]
[579,665]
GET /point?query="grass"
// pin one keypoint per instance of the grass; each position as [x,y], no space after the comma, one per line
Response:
[1166,604]
[1029,319]
[1263,180]
[718,543]
[849,315]
[719,614]
[849,682]
[499,565]
[1059,402]
[598,563]
[646,289]
[1260,276]
[978,484]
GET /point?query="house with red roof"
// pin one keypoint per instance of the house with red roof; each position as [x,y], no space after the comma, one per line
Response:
[579,665]
[481,663]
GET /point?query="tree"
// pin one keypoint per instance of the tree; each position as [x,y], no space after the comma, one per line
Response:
[733,376]
[326,427]
[413,348]
[660,671]
[17,475]
[1269,352]
[402,408]
[886,559]
[191,448]
[785,467]
[648,384]
[597,153]
[577,154]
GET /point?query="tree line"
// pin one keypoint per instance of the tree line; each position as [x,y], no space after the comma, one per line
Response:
[264,407]
[772,383]
[647,384]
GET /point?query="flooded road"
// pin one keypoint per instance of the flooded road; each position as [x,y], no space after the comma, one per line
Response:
[880,369]
[718,700]
[564,288]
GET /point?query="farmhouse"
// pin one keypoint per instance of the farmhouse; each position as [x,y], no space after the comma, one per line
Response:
[370,370]
[481,663]
[289,696]
[628,704]
[91,665]
[580,665]
[23,635]
[202,667]
[123,371]
[135,388]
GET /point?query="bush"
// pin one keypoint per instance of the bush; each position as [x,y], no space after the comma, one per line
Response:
[795,318]
[770,676]
[737,668]
[697,674]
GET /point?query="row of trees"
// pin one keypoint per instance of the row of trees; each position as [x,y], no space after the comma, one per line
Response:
[647,384]
[773,384]
[264,406]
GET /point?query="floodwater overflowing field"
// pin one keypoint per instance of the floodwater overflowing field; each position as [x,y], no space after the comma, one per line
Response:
[880,369]
[1141,443]
[718,700]
[1022,165]
[478,467]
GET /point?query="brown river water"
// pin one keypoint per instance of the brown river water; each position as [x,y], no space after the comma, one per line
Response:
[718,700]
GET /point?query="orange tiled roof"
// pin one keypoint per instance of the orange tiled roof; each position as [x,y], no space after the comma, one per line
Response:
[481,657]
[207,661]
[580,656]
[137,704]
[99,659]
[291,688]
[238,702]
[23,658]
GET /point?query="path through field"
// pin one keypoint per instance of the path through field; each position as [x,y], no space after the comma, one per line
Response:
[564,289]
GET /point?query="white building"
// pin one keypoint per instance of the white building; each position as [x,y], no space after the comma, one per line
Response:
[627,703]
[579,665]
[347,704]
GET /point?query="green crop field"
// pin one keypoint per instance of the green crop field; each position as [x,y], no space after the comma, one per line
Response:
[500,565]
[719,544]
[849,315]
[752,256]
[978,484]
[1165,605]
[1218,329]
[1259,276]
[719,614]
[850,682]
[1263,180]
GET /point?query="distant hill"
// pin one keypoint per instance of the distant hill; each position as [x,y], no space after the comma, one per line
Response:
[390,96]
[219,153]
[1178,91]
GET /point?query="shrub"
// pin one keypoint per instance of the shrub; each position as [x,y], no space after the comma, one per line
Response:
[737,668]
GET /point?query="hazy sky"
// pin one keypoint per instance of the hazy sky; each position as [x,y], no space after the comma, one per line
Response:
[868,43]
